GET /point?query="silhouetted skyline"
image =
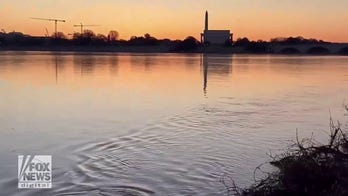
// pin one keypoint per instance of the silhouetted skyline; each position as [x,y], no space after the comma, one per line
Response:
[176,19]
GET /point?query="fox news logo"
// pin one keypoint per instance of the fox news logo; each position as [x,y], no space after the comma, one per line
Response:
[34,171]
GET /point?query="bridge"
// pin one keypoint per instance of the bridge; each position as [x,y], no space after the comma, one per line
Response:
[320,48]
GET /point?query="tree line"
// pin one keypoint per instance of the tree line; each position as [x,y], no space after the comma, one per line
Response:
[89,38]
[189,44]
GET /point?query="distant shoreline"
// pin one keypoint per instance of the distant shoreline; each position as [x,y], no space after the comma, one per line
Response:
[157,49]
[89,42]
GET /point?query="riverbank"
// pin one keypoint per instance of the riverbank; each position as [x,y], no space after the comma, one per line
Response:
[16,41]
[212,49]
[306,168]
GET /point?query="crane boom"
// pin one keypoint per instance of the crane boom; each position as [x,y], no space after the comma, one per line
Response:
[49,19]
[55,23]
[82,25]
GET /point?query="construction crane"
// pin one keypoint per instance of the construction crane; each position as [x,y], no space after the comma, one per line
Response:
[82,25]
[55,23]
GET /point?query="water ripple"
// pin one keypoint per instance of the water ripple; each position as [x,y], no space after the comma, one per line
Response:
[185,152]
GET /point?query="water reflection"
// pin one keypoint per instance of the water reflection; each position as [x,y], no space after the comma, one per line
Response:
[59,62]
[17,62]
[85,64]
[144,61]
[217,66]
[114,61]
[151,132]
[205,76]
[191,60]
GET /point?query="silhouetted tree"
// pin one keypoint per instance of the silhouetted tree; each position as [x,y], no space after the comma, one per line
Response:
[258,47]
[13,38]
[77,35]
[147,40]
[150,40]
[277,39]
[85,38]
[113,36]
[100,39]
[133,37]
[59,35]
[190,44]
[242,42]
[294,40]
[147,36]
[135,40]
[88,34]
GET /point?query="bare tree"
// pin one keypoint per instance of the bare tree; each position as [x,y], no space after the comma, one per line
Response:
[102,37]
[113,36]
[88,34]
[59,35]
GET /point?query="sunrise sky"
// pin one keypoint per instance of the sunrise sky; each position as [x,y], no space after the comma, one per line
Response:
[177,19]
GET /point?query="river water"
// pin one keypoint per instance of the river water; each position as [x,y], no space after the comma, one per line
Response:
[160,124]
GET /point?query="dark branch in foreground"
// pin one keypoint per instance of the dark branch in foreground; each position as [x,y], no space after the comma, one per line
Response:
[306,168]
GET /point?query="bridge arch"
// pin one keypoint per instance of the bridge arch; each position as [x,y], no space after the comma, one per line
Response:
[318,50]
[343,51]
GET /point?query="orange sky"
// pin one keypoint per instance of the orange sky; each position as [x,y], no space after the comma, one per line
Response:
[177,19]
